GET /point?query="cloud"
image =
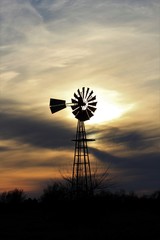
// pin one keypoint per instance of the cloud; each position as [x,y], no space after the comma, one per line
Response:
[18,18]
[128,139]
[86,33]
[101,12]
[35,132]
[136,173]
[131,138]
[4,149]
[36,158]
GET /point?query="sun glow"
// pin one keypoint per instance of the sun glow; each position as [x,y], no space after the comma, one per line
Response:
[110,106]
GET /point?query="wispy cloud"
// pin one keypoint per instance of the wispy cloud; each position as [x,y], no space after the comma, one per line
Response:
[136,137]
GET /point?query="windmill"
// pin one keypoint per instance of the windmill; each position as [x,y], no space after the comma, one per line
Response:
[83,106]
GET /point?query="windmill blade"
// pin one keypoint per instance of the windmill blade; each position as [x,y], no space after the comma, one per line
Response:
[76,111]
[86,115]
[89,113]
[74,101]
[92,104]
[83,92]
[92,99]
[87,92]
[74,107]
[78,116]
[90,95]
[57,105]
[82,115]
[93,109]
[79,93]
[75,95]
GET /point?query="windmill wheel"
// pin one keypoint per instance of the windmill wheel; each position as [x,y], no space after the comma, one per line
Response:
[84,104]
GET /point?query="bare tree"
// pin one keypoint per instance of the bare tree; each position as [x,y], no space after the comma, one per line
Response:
[101,180]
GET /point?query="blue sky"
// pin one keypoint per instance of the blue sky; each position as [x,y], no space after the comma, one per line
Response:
[52,48]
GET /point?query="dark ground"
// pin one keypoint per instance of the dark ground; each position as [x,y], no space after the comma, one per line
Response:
[97,219]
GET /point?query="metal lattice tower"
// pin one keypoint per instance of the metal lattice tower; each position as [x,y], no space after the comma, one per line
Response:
[81,173]
[83,106]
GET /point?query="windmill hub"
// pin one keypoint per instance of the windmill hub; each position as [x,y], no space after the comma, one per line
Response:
[84,105]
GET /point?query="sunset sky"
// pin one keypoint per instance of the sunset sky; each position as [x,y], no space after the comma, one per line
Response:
[50,48]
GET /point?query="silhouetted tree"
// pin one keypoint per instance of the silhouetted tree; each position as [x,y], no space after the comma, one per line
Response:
[156,195]
[101,181]
[55,192]
[15,196]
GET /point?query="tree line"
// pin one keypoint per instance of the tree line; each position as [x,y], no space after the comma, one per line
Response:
[59,192]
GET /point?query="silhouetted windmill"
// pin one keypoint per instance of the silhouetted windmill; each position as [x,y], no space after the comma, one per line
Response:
[83,105]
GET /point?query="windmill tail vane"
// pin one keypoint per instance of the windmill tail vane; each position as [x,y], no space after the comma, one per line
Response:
[58,104]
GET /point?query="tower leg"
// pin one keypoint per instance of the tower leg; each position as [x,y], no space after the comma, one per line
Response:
[81,173]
